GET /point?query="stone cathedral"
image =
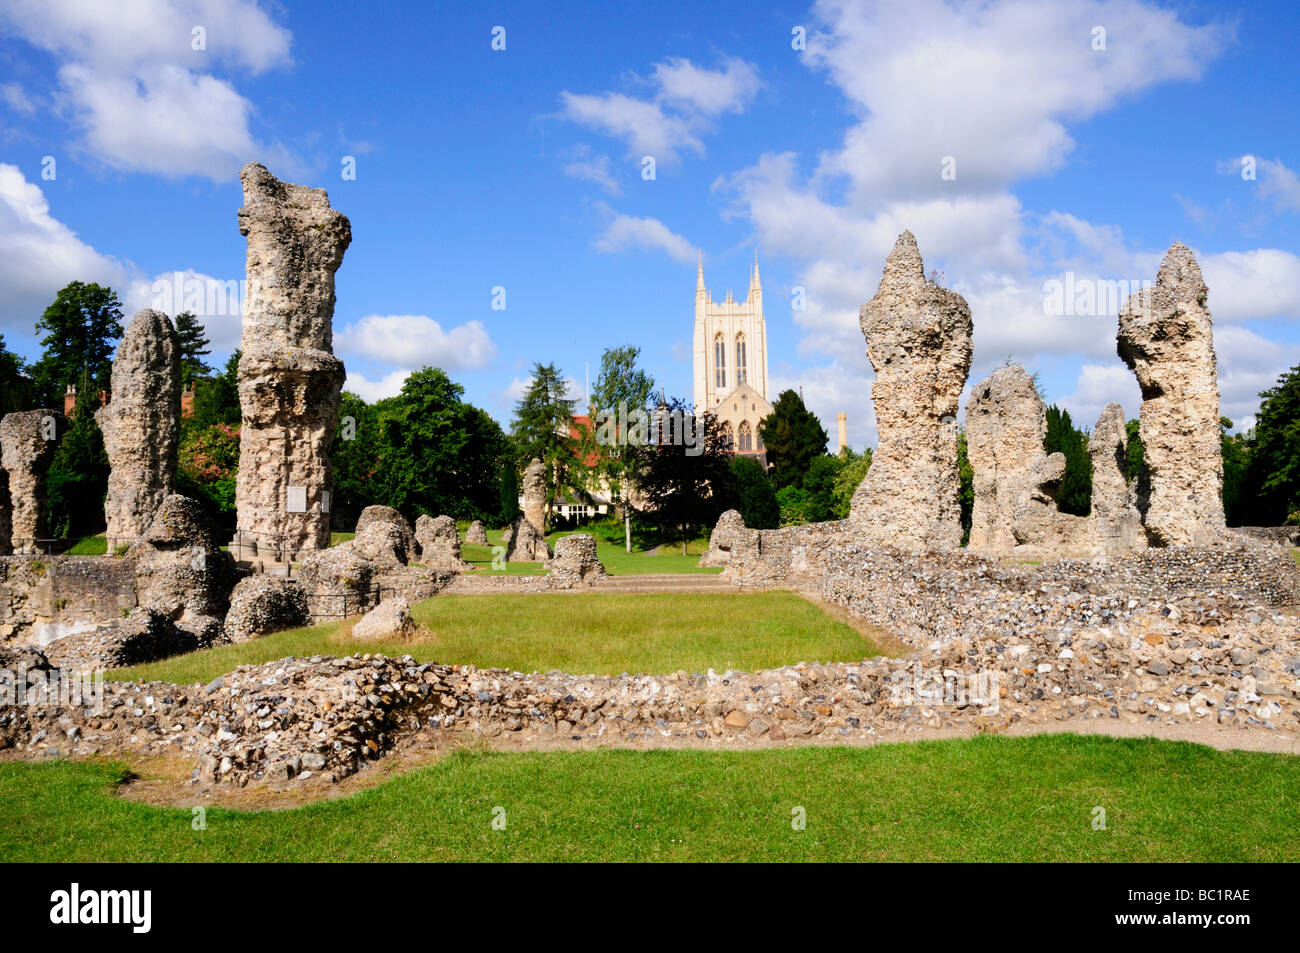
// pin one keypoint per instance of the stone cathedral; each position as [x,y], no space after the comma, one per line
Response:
[731,361]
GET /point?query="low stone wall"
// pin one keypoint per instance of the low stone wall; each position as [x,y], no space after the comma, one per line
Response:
[44,598]
[1280,535]
[942,596]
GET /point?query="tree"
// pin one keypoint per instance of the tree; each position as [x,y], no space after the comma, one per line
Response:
[1271,485]
[193,346]
[81,327]
[509,492]
[686,487]
[819,484]
[1075,493]
[965,486]
[541,425]
[355,456]
[793,437]
[796,506]
[77,481]
[755,498]
[1136,449]
[216,398]
[439,454]
[1236,461]
[848,480]
[17,391]
[621,387]
[208,468]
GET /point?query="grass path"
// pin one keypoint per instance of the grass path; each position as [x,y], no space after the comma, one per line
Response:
[583,633]
[985,799]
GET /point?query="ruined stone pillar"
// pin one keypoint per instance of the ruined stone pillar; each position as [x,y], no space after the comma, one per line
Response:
[1006,424]
[1116,522]
[1166,338]
[27,441]
[919,342]
[534,492]
[289,378]
[141,426]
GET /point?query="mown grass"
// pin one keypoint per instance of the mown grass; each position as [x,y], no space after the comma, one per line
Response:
[583,633]
[89,546]
[614,556]
[984,799]
[1295,554]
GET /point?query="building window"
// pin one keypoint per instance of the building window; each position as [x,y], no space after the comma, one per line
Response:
[728,441]
[720,361]
[741,369]
[746,437]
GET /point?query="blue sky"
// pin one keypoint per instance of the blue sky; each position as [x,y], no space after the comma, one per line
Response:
[522,169]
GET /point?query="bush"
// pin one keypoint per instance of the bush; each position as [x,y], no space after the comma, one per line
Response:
[756,500]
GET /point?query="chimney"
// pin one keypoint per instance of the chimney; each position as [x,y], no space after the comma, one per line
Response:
[843,420]
[70,401]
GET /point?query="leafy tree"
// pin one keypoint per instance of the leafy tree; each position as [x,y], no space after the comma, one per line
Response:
[965,486]
[796,506]
[355,456]
[620,384]
[793,437]
[541,425]
[81,327]
[1136,449]
[1236,461]
[77,481]
[755,498]
[216,398]
[17,392]
[687,488]
[207,469]
[193,347]
[1270,488]
[1075,493]
[848,480]
[509,492]
[439,454]
[819,484]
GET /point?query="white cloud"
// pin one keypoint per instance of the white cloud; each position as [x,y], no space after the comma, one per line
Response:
[17,99]
[218,305]
[671,123]
[145,98]
[1099,385]
[1280,185]
[390,385]
[629,232]
[593,168]
[706,91]
[39,254]
[407,339]
[832,389]
[1261,283]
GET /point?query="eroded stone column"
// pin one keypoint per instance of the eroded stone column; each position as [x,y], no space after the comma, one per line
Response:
[534,493]
[141,426]
[289,378]
[1006,423]
[1166,337]
[27,441]
[919,343]
[1116,522]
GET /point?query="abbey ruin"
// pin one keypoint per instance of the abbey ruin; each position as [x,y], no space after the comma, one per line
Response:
[1079,617]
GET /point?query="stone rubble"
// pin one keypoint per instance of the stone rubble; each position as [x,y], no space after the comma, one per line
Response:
[533,488]
[439,543]
[476,535]
[391,619]
[525,543]
[261,604]
[1116,522]
[575,563]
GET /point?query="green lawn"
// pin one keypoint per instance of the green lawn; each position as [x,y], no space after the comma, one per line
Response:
[617,561]
[986,799]
[583,633]
[89,546]
[1295,554]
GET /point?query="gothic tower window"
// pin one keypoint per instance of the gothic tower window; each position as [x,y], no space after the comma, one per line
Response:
[720,361]
[746,436]
[741,370]
[728,441]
